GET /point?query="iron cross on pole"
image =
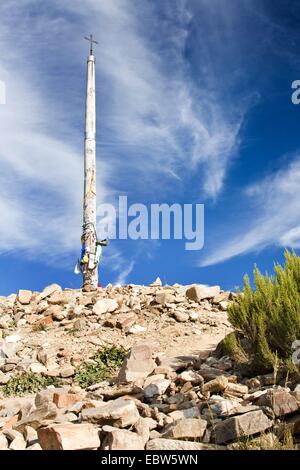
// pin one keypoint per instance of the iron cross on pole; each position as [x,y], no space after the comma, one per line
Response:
[92,41]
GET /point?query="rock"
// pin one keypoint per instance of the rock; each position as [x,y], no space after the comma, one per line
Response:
[295,393]
[35,419]
[43,322]
[198,292]
[18,443]
[5,322]
[60,298]
[137,365]
[30,435]
[193,412]
[155,385]
[136,329]
[236,390]
[193,316]
[104,306]
[154,434]
[218,384]
[175,363]
[120,439]
[241,426]
[56,312]
[222,406]
[210,373]
[11,434]
[8,350]
[120,413]
[67,371]
[223,296]
[172,444]
[80,324]
[69,437]
[116,391]
[125,320]
[253,397]
[143,426]
[12,406]
[37,368]
[63,399]
[191,376]
[164,298]
[226,408]
[3,442]
[281,401]
[24,296]
[191,428]
[224,305]
[12,339]
[48,291]
[4,378]
[181,317]
[43,397]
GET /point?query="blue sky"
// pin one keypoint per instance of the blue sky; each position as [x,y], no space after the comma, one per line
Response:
[193,106]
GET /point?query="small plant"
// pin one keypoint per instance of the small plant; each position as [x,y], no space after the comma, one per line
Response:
[72,331]
[104,364]
[265,442]
[38,327]
[111,356]
[267,320]
[27,383]
[13,324]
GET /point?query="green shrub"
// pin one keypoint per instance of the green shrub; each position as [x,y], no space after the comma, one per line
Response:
[27,383]
[266,319]
[111,356]
[105,362]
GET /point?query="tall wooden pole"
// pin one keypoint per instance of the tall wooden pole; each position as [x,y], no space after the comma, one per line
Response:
[89,236]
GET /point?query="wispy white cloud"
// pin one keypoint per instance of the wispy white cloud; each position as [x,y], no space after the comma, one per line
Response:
[41,163]
[123,275]
[157,115]
[165,118]
[275,211]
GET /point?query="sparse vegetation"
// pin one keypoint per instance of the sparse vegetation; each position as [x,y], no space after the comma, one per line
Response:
[27,383]
[38,327]
[104,363]
[267,319]
[266,442]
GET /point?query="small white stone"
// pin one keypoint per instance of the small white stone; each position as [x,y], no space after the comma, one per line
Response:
[194,316]
[136,329]
[37,368]
[13,339]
